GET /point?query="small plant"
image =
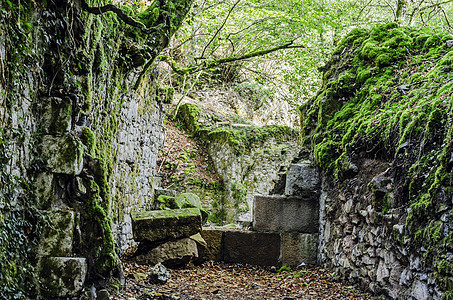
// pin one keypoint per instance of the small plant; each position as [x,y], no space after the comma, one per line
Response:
[284,269]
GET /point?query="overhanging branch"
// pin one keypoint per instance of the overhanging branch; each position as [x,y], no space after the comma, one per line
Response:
[122,15]
[214,63]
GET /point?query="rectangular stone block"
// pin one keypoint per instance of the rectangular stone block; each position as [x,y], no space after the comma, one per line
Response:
[287,214]
[58,235]
[62,277]
[62,154]
[255,248]
[299,248]
[160,225]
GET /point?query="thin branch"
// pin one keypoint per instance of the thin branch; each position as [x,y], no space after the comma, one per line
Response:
[220,28]
[122,15]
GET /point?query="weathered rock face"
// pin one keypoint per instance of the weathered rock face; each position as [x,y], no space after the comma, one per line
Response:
[384,143]
[171,254]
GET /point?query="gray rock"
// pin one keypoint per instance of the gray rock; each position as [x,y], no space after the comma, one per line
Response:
[214,247]
[172,254]
[160,225]
[256,248]
[277,213]
[301,179]
[158,274]
[62,154]
[103,295]
[449,43]
[420,290]
[44,188]
[62,276]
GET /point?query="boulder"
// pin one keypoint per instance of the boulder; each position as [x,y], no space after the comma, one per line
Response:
[161,225]
[172,254]
[57,115]
[280,213]
[62,276]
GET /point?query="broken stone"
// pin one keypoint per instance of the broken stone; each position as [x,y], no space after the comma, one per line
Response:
[184,200]
[158,274]
[62,154]
[160,225]
[255,248]
[172,254]
[301,179]
[62,276]
[57,237]
[276,213]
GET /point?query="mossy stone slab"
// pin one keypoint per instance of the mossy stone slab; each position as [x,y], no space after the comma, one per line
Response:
[57,116]
[63,154]
[57,238]
[160,225]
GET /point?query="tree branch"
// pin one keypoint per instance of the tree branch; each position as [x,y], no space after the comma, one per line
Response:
[215,63]
[122,15]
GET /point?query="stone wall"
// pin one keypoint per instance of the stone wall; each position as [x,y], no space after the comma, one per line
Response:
[255,171]
[80,130]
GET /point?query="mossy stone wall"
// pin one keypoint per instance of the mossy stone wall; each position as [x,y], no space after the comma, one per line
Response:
[381,128]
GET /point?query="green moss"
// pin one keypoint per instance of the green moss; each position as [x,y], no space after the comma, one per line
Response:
[188,115]
[88,138]
[398,112]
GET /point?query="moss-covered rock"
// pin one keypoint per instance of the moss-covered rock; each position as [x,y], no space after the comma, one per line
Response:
[62,154]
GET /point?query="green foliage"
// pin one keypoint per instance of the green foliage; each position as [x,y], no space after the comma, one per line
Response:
[284,269]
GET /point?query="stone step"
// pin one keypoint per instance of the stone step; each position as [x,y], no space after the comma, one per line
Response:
[258,248]
[286,214]
[161,225]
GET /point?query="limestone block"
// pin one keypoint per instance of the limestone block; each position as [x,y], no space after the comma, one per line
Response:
[299,248]
[302,179]
[44,189]
[62,154]
[255,248]
[170,254]
[62,276]
[58,235]
[57,115]
[277,213]
[159,225]
[214,249]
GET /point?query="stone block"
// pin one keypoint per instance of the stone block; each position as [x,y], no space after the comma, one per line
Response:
[255,248]
[44,189]
[57,237]
[214,247]
[57,115]
[277,213]
[299,248]
[170,254]
[62,276]
[62,154]
[160,225]
[302,179]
